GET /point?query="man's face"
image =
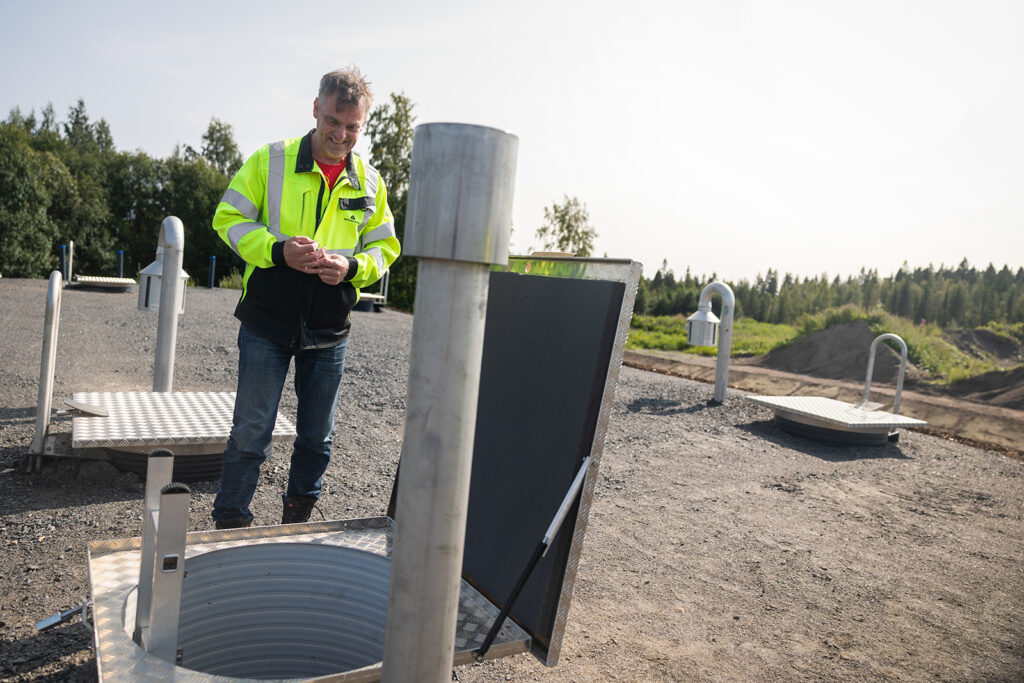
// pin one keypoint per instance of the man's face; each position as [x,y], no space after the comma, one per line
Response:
[336,129]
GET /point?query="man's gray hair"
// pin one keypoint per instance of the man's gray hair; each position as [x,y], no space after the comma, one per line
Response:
[349,85]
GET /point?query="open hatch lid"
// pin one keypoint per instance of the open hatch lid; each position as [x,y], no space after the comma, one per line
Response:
[553,343]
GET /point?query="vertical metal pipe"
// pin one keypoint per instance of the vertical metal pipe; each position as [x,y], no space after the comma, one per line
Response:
[459,218]
[724,335]
[51,327]
[172,239]
[213,270]
[71,260]
[120,262]
[62,261]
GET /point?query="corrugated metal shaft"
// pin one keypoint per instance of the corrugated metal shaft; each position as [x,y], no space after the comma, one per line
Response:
[283,610]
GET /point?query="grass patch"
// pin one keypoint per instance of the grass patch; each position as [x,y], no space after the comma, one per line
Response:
[668,333]
[926,347]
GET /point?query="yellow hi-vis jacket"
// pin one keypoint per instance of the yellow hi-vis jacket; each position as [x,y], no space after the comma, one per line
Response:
[279,193]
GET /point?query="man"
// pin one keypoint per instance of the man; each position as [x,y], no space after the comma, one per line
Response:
[311,221]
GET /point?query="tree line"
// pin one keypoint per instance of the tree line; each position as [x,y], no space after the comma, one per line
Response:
[949,297]
[66,181]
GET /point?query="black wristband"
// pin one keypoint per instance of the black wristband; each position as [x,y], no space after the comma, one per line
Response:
[353,268]
[277,254]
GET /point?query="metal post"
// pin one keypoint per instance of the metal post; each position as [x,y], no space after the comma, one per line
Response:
[213,269]
[159,472]
[459,218]
[120,262]
[168,572]
[71,260]
[51,327]
[62,261]
[172,239]
[724,335]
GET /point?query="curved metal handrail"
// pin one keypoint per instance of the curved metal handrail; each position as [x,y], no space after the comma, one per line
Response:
[871,369]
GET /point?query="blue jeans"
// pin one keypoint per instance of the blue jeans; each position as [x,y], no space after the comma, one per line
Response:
[262,370]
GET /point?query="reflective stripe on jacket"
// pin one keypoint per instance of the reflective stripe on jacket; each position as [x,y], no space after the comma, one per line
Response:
[279,193]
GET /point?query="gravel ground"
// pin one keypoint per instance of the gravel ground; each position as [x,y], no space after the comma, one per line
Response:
[718,547]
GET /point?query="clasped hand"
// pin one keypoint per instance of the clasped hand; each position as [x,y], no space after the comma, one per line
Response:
[305,255]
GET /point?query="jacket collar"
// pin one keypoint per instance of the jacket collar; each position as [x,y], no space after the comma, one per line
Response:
[304,162]
[350,171]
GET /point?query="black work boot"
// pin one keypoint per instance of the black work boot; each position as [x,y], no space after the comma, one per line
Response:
[233,523]
[296,510]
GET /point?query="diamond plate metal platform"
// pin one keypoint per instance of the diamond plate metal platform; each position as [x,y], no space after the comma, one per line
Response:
[843,424]
[832,414]
[114,574]
[185,422]
[101,281]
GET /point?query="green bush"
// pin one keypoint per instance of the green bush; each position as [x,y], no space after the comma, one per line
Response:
[232,280]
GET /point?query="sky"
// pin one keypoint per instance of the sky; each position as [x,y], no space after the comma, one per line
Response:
[722,136]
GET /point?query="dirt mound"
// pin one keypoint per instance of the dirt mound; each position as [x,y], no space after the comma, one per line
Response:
[840,352]
[999,387]
[986,344]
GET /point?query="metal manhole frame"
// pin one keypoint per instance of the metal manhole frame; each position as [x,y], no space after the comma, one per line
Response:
[113,579]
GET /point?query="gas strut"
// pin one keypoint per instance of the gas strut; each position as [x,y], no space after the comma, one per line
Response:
[538,552]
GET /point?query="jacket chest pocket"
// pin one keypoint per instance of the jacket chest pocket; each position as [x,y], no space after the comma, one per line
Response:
[357,210]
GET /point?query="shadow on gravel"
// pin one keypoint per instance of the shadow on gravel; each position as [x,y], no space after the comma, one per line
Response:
[13,456]
[78,482]
[79,287]
[38,657]
[13,416]
[661,406]
[766,429]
